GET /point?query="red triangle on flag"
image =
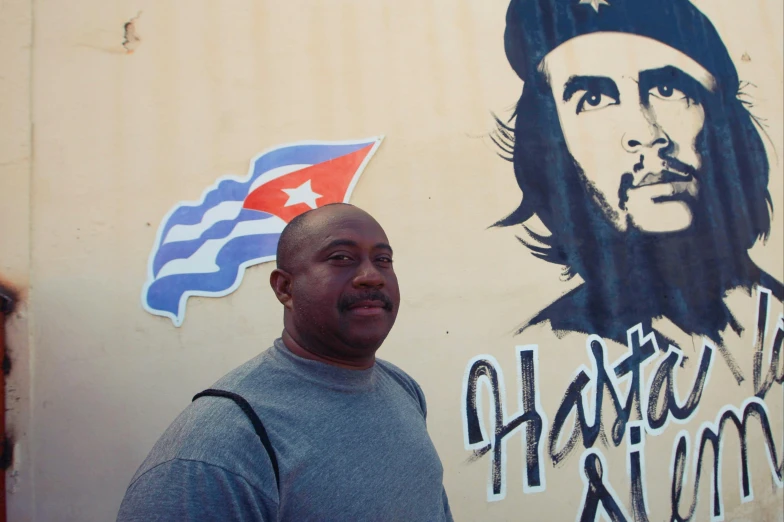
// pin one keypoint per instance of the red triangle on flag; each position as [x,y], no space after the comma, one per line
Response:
[330,180]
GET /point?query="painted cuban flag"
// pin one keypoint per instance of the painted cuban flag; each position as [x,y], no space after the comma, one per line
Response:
[203,248]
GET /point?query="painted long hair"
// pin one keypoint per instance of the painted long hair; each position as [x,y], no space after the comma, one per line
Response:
[732,213]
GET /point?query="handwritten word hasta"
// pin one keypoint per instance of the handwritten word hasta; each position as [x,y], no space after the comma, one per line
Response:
[654,404]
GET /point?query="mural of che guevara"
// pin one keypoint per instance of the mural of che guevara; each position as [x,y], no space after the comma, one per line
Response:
[634,146]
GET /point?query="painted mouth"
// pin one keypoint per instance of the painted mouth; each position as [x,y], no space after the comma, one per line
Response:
[664,176]
[679,180]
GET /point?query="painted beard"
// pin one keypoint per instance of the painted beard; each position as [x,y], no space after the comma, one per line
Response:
[686,258]
[648,197]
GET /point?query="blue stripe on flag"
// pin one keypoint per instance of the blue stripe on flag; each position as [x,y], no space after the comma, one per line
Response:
[166,293]
[184,249]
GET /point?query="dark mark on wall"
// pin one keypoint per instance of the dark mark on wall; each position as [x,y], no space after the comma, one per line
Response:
[8,300]
[7,455]
[131,39]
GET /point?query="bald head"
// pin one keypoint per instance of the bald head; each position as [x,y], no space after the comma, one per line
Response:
[302,229]
[336,283]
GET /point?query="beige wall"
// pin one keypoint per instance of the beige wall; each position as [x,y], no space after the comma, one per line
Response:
[118,139]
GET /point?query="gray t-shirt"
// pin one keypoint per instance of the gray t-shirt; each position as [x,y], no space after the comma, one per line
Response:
[352,445]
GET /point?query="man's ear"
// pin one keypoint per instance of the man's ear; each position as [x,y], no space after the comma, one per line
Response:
[280,281]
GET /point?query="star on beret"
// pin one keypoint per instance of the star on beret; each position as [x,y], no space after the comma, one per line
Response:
[594,3]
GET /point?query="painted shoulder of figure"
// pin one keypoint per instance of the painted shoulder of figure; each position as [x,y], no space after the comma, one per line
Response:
[572,313]
[771,283]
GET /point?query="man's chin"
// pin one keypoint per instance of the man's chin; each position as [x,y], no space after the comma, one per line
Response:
[366,340]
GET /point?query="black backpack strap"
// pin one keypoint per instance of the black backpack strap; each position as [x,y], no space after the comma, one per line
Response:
[254,419]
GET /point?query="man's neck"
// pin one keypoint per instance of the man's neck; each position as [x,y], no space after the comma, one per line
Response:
[299,349]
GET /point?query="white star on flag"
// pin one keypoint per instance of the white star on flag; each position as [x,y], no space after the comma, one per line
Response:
[302,194]
[594,3]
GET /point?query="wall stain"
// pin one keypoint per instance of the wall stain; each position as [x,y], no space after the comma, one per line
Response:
[8,299]
[131,40]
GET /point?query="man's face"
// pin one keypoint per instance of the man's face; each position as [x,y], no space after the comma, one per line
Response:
[630,113]
[344,293]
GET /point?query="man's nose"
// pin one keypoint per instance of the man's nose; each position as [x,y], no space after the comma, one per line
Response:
[368,275]
[642,131]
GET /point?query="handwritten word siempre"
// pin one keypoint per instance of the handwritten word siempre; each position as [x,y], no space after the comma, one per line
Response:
[656,403]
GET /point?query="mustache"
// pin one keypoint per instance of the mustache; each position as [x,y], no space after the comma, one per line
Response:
[675,170]
[347,301]
[677,165]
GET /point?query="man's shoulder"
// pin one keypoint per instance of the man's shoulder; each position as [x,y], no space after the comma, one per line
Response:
[396,372]
[214,430]
[251,371]
[181,489]
[407,382]
[211,431]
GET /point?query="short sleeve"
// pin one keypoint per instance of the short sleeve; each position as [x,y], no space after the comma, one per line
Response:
[407,382]
[194,491]
[421,398]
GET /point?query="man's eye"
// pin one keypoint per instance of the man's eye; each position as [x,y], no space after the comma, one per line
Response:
[594,101]
[667,92]
[385,259]
[339,257]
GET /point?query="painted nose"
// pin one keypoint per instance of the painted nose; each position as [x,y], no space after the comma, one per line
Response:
[644,133]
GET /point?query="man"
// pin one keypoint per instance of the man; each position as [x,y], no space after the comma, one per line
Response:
[340,435]
[632,145]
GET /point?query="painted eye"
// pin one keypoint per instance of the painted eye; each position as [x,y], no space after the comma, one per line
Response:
[594,101]
[667,92]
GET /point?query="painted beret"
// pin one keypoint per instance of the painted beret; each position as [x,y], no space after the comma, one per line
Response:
[536,27]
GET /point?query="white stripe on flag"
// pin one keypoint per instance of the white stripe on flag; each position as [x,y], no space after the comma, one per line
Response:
[225,210]
[204,259]
[276,173]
